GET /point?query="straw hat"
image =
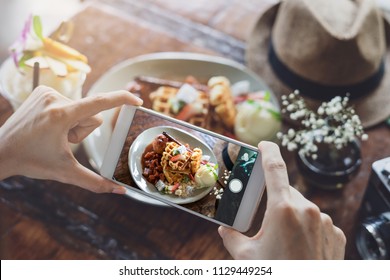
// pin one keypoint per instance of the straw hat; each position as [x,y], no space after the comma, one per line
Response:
[324,49]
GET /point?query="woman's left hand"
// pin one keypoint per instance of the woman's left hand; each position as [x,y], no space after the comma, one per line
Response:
[35,140]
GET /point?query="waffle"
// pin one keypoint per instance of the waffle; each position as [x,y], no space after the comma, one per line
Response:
[160,99]
[168,153]
[173,177]
[174,171]
[161,103]
[200,119]
[222,100]
[195,160]
[178,166]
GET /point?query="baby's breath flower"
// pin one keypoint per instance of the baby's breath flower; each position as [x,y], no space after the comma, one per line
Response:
[320,111]
[292,146]
[290,107]
[332,123]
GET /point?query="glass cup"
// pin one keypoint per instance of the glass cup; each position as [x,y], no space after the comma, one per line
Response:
[16,86]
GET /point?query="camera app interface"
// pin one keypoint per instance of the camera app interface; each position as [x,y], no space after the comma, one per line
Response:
[183,166]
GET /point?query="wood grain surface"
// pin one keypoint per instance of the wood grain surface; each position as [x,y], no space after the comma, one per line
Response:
[49,220]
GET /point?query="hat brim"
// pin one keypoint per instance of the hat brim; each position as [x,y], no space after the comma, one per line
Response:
[372,108]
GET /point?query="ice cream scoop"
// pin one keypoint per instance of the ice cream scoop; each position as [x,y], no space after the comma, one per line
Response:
[256,121]
[206,176]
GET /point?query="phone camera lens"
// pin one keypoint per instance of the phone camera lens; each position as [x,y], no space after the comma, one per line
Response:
[373,238]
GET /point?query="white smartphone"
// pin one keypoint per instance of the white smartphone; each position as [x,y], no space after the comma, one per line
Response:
[193,169]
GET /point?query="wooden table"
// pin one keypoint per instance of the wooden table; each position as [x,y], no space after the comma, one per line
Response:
[50,220]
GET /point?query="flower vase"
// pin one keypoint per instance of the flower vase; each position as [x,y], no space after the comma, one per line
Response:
[332,168]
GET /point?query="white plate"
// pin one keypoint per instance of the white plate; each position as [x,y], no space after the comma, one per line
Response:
[143,140]
[172,64]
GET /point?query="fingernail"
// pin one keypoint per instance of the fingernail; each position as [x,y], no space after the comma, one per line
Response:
[119,190]
[221,231]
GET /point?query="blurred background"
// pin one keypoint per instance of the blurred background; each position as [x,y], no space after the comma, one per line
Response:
[14,13]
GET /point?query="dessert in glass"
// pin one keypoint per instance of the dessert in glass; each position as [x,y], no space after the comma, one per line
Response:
[60,66]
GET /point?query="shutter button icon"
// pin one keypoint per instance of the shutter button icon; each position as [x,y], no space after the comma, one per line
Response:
[235,186]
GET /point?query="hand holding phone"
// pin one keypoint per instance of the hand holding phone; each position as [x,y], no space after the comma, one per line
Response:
[293,227]
[185,166]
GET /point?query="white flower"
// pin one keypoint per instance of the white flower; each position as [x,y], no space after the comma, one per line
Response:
[290,107]
[356,119]
[332,123]
[291,146]
[320,111]
[291,133]
[320,122]
[328,139]
[293,117]
[285,141]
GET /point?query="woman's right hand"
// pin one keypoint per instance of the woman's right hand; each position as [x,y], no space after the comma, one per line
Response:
[293,227]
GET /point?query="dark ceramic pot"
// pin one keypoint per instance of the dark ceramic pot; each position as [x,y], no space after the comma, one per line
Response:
[333,168]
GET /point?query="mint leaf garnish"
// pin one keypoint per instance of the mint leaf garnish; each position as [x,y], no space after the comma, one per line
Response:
[37,26]
[275,114]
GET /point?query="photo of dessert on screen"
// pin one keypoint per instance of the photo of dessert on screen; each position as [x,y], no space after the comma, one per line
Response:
[184,166]
[176,168]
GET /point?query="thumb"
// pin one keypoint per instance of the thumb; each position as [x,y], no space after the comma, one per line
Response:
[233,241]
[89,180]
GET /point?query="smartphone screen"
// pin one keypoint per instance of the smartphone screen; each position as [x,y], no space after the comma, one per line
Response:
[198,171]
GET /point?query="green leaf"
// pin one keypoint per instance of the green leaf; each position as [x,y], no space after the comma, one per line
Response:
[267,96]
[215,176]
[275,114]
[24,58]
[37,25]
[186,179]
[259,107]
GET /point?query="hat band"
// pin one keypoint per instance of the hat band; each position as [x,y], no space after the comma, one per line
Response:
[226,158]
[319,91]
